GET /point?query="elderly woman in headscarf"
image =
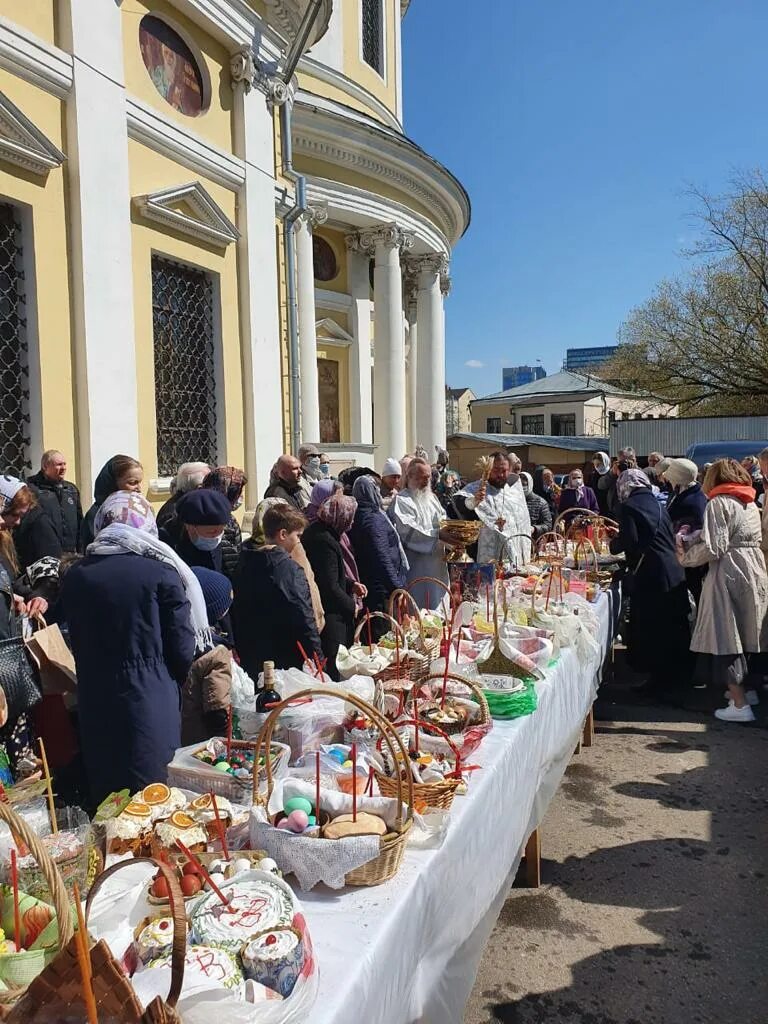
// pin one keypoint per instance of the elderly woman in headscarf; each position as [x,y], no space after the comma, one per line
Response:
[322,542]
[120,473]
[576,496]
[659,633]
[135,622]
[686,507]
[380,555]
[229,481]
[298,554]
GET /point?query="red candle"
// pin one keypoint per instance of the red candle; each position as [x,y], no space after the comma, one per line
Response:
[397,655]
[229,731]
[369,786]
[487,603]
[317,786]
[318,666]
[368,624]
[220,827]
[303,653]
[16,914]
[416,729]
[354,782]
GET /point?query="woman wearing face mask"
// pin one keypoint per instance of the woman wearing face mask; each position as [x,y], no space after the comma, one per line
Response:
[230,482]
[121,473]
[576,496]
[196,532]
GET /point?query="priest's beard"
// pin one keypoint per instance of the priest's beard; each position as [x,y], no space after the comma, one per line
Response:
[423,498]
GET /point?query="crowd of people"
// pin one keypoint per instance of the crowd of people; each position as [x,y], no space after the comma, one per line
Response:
[156,632]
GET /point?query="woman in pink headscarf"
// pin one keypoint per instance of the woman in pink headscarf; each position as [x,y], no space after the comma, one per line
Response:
[322,542]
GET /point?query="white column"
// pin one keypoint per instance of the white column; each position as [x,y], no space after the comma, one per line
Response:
[257,276]
[430,420]
[102,272]
[412,386]
[305,272]
[361,407]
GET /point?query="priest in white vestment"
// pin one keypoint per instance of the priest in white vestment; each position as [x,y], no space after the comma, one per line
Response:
[417,513]
[501,507]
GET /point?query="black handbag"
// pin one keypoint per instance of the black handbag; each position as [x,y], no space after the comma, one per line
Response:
[18,678]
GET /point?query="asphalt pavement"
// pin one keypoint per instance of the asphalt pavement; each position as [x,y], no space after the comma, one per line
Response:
[653,907]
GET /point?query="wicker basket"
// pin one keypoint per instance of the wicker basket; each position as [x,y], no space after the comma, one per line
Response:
[428,646]
[203,778]
[484,715]
[392,845]
[556,539]
[411,668]
[433,580]
[20,969]
[438,794]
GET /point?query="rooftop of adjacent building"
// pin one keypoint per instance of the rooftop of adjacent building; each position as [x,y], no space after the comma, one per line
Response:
[566,382]
[579,443]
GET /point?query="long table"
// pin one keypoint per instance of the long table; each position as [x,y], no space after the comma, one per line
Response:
[408,951]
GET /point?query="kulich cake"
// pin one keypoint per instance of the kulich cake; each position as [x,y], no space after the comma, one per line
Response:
[131,831]
[179,826]
[255,905]
[205,968]
[201,809]
[162,800]
[274,958]
[154,938]
[451,718]
[365,825]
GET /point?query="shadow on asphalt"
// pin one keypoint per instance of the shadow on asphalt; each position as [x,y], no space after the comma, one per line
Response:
[707,901]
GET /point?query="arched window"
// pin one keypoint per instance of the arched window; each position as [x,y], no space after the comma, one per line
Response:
[174,71]
[324,260]
[373,34]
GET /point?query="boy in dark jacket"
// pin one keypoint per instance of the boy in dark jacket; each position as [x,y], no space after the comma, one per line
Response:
[272,611]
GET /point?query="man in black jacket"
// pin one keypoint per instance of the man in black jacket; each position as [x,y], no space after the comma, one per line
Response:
[58,498]
[272,611]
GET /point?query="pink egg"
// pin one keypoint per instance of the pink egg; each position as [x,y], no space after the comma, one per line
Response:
[297,821]
[283,823]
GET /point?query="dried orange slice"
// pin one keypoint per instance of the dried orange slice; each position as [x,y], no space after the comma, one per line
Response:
[137,810]
[181,820]
[200,803]
[157,793]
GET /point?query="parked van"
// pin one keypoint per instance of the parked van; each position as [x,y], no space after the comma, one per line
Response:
[711,451]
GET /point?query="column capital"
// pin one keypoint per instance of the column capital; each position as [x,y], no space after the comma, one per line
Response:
[410,289]
[430,263]
[315,215]
[246,71]
[389,235]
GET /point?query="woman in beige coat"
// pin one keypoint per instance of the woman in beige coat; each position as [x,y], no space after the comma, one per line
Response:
[734,597]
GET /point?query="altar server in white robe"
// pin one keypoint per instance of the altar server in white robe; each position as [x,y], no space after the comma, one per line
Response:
[501,507]
[416,513]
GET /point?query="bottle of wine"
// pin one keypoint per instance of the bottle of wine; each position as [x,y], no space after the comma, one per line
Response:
[267,694]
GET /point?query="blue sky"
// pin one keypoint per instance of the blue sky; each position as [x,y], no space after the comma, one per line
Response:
[576,128]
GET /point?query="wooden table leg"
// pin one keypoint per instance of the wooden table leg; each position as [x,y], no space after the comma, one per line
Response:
[588,735]
[533,860]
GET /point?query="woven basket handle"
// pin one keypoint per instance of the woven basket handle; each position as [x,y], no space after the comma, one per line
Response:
[588,548]
[485,712]
[21,829]
[380,615]
[400,593]
[176,900]
[427,726]
[430,579]
[554,570]
[388,734]
[551,538]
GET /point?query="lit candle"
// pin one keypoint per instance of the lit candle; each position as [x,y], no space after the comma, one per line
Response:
[16,914]
[354,782]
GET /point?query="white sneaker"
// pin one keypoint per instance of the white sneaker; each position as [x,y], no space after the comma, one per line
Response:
[750,696]
[734,714]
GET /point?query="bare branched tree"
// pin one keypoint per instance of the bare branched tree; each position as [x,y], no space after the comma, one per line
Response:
[702,340]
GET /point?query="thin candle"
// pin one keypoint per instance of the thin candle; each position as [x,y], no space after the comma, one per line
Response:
[369,784]
[397,654]
[303,653]
[16,913]
[84,960]
[368,624]
[354,782]
[48,787]
[317,787]
[220,827]
[487,603]
[416,721]
[229,731]
[193,860]
[318,666]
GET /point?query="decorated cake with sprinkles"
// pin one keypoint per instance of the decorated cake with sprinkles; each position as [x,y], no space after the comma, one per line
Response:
[274,958]
[256,902]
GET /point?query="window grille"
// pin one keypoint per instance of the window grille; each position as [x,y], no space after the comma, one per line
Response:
[185,378]
[532,424]
[564,425]
[493,425]
[373,41]
[14,370]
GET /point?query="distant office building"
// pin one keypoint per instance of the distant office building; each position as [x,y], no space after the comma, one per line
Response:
[514,376]
[584,358]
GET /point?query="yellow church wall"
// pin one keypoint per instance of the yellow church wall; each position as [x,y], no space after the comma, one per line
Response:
[215,123]
[336,241]
[37,16]
[150,171]
[43,203]
[354,65]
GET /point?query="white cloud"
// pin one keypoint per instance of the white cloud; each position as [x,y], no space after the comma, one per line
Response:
[474,364]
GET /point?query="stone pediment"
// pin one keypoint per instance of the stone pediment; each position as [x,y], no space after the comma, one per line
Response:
[328,330]
[22,143]
[190,210]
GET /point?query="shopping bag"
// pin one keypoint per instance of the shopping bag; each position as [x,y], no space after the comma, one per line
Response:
[54,660]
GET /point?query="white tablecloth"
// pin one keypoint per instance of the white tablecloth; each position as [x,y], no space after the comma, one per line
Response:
[408,951]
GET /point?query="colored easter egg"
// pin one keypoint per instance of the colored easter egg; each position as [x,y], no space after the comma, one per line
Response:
[346,764]
[223,766]
[283,823]
[267,864]
[297,821]
[297,803]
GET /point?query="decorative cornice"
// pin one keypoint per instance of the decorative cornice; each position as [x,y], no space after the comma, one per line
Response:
[387,156]
[331,76]
[22,143]
[389,235]
[234,23]
[248,72]
[287,15]
[148,126]
[23,54]
[208,222]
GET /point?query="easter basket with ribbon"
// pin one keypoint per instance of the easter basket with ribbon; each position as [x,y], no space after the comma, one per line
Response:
[18,970]
[380,859]
[398,664]
[464,696]
[437,793]
[429,646]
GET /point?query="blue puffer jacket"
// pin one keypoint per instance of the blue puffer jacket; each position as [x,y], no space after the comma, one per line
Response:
[686,508]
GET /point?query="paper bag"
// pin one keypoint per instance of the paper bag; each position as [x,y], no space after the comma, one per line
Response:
[54,661]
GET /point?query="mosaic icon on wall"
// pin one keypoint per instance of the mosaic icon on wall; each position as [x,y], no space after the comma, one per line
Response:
[171,66]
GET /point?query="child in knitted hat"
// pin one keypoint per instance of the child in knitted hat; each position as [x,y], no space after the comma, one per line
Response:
[206,696]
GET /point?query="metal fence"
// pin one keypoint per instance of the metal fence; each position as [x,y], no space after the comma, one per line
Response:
[673,436]
[14,372]
[185,378]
